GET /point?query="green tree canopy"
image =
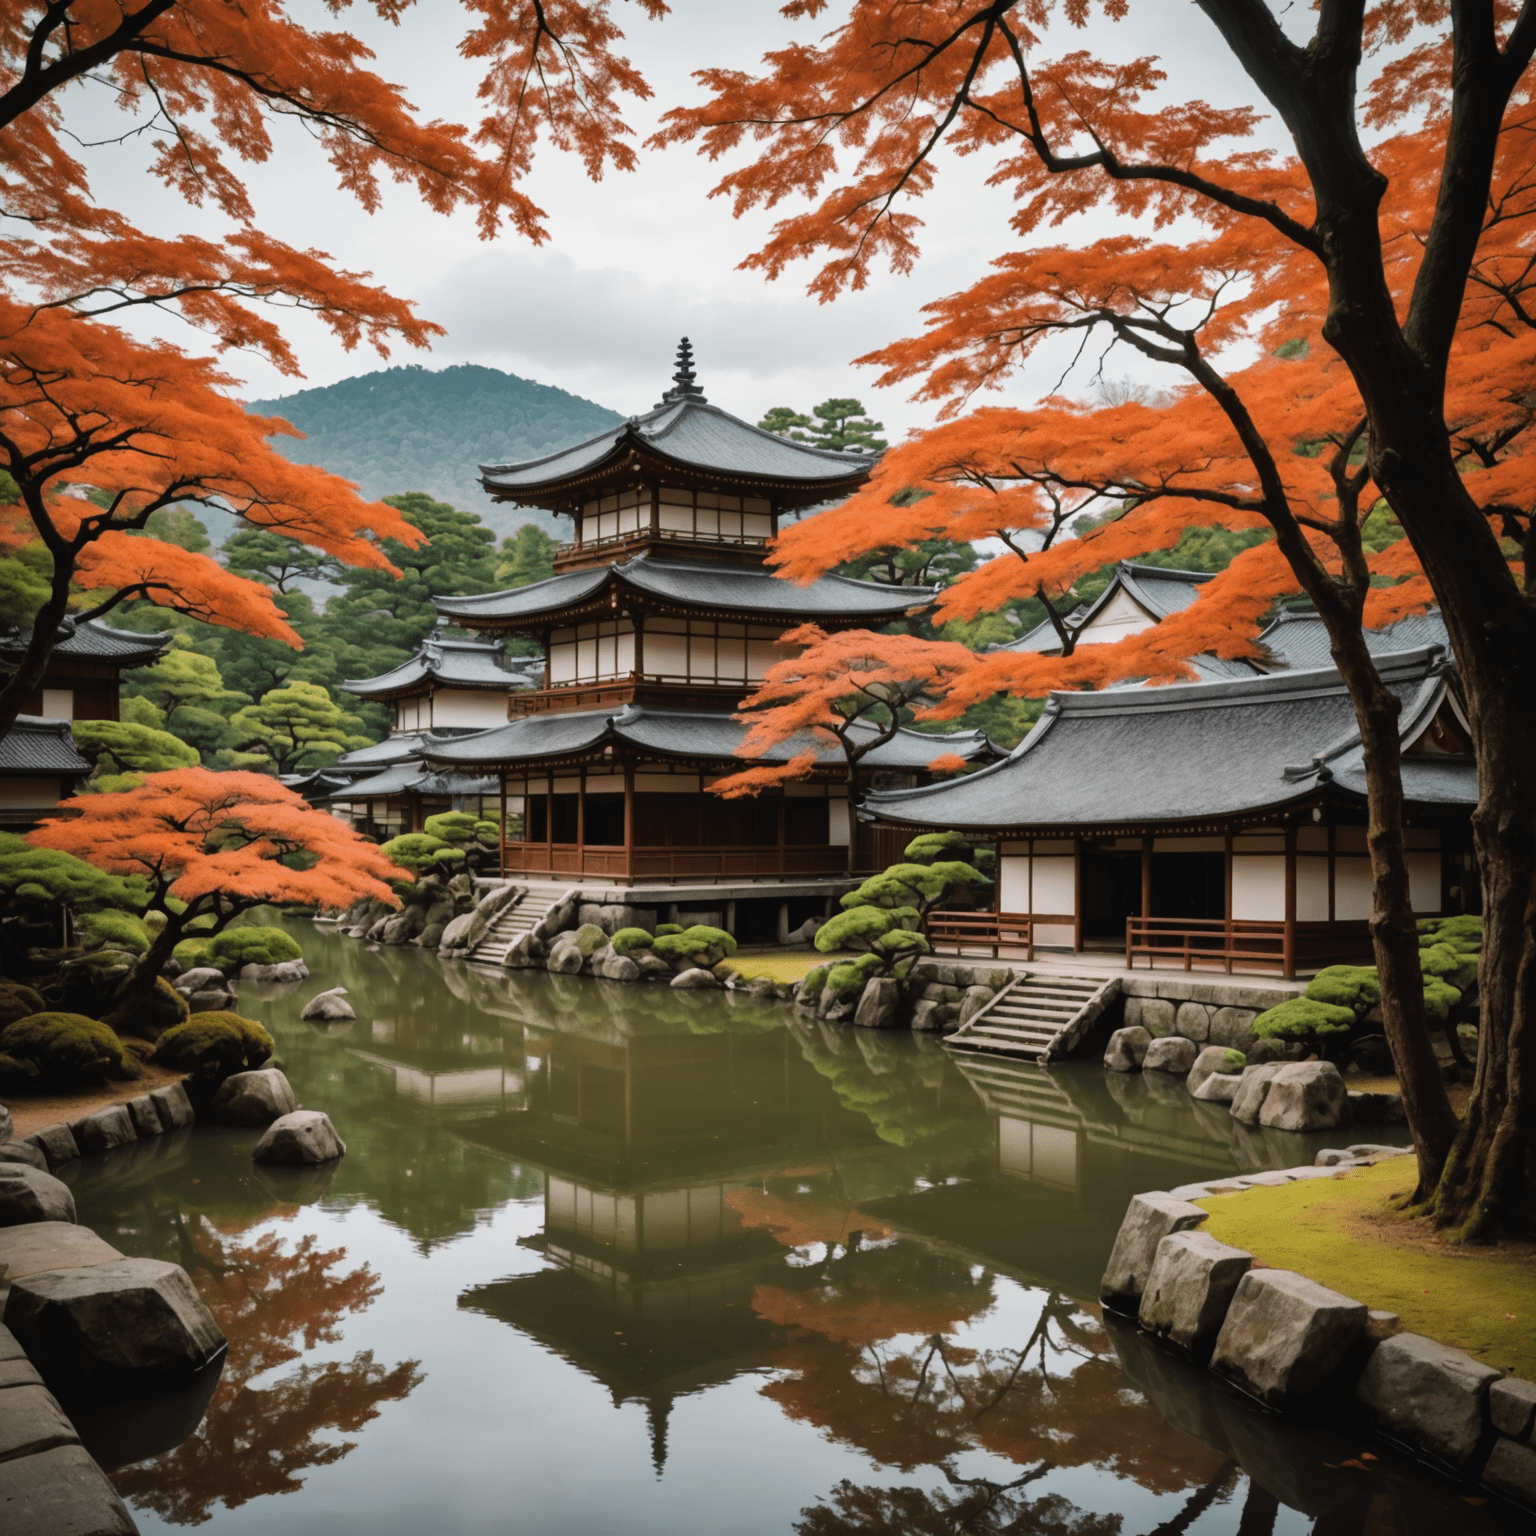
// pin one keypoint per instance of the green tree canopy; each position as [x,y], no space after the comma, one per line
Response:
[526,557]
[838,424]
[29,875]
[295,727]
[120,746]
[268,557]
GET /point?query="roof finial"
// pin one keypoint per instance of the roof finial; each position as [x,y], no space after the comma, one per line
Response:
[683,385]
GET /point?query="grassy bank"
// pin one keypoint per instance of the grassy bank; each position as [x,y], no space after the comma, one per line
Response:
[1343,1233]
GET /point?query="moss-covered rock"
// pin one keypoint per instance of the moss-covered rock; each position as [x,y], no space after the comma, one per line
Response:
[164,1008]
[1439,998]
[17,1001]
[699,945]
[627,940]
[119,930]
[255,945]
[663,930]
[193,952]
[212,1046]
[67,1049]
[17,1074]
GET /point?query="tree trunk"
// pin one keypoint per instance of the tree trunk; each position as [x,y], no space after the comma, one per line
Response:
[1394,930]
[133,992]
[28,676]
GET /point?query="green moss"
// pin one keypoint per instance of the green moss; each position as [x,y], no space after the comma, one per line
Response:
[1344,1233]
[255,945]
[849,976]
[931,847]
[120,930]
[1439,998]
[17,1001]
[17,1074]
[163,1009]
[191,953]
[699,945]
[627,940]
[1355,987]
[1447,964]
[664,930]
[857,928]
[212,1046]
[1303,1018]
[1233,1061]
[67,1049]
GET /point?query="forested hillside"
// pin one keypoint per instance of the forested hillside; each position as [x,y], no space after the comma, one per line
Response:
[415,429]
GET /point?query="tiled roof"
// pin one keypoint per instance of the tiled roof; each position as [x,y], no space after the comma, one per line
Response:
[1300,639]
[678,733]
[89,641]
[35,745]
[414,777]
[453,663]
[747,590]
[1189,752]
[1158,590]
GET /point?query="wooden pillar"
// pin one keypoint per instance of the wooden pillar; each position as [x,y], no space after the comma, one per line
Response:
[783,846]
[1077,895]
[1289,947]
[502,841]
[581,821]
[629,820]
[549,820]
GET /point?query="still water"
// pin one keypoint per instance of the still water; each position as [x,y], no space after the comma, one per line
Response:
[618,1259]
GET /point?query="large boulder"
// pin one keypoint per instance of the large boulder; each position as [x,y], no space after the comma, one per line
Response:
[695,977]
[61,1490]
[972,1001]
[1127,1047]
[173,1106]
[463,933]
[145,1114]
[1232,1028]
[1305,1096]
[1193,1280]
[1428,1395]
[878,1003]
[652,967]
[559,917]
[1213,1059]
[304,1136]
[1218,1088]
[198,979]
[565,956]
[26,1153]
[31,1423]
[1285,1337]
[1251,1093]
[1170,1053]
[103,1130]
[1156,1015]
[609,964]
[253,1098]
[526,952]
[1148,1220]
[402,927]
[1511,1471]
[56,1143]
[1512,1406]
[588,938]
[282,971]
[126,1323]
[329,1007]
[28,1195]
[1193,1021]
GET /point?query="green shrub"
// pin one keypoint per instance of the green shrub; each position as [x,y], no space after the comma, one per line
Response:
[1462,932]
[699,945]
[664,929]
[1449,965]
[1439,998]
[1305,1019]
[212,1046]
[117,930]
[419,851]
[163,1009]
[67,1049]
[627,940]
[857,928]
[451,827]
[17,1001]
[1356,987]
[915,885]
[849,976]
[931,847]
[192,953]
[88,985]
[255,945]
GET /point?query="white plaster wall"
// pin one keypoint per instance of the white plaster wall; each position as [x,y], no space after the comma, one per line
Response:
[468,707]
[1424,881]
[1351,889]
[1120,617]
[1311,890]
[1013,883]
[1258,887]
[1055,887]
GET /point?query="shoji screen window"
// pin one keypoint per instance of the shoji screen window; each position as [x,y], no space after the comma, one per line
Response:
[694,651]
[590,653]
[716,518]
[613,517]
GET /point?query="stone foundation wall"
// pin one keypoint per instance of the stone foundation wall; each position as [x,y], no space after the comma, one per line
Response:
[1299,1347]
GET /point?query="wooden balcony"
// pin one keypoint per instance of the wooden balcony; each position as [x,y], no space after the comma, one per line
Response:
[959,929]
[1230,944]
[659,863]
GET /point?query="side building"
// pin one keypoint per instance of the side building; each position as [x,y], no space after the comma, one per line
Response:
[39,762]
[660,618]
[1214,823]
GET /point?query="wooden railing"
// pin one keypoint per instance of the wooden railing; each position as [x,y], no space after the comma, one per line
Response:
[1211,942]
[673,863]
[1245,944]
[961,928]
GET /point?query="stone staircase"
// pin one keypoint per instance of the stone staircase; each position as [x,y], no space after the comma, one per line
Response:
[513,921]
[1038,1018]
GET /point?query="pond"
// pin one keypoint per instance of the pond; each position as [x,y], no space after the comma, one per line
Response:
[605,1258]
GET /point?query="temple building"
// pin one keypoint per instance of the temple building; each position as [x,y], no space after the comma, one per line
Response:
[39,762]
[1214,822]
[660,618]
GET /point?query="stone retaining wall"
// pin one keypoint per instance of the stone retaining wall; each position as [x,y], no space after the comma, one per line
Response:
[1292,1344]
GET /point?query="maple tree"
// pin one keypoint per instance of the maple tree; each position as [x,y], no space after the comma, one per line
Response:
[87,402]
[856,689]
[207,847]
[1386,290]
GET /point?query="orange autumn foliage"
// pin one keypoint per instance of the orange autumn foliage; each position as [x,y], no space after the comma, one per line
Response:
[87,402]
[852,689]
[216,843]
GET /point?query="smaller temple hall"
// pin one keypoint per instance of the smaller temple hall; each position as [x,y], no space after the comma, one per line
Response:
[660,618]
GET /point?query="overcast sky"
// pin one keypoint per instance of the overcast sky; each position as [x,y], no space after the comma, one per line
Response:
[637,260]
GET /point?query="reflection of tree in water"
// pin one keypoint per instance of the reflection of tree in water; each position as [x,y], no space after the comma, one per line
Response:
[986,1508]
[871,1356]
[898,1093]
[274,1302]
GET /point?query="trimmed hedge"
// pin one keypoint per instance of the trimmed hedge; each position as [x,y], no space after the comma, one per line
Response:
[67,1050]
[251,946]
[213,1046]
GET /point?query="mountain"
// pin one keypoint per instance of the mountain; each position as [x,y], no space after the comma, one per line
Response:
[415,429]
